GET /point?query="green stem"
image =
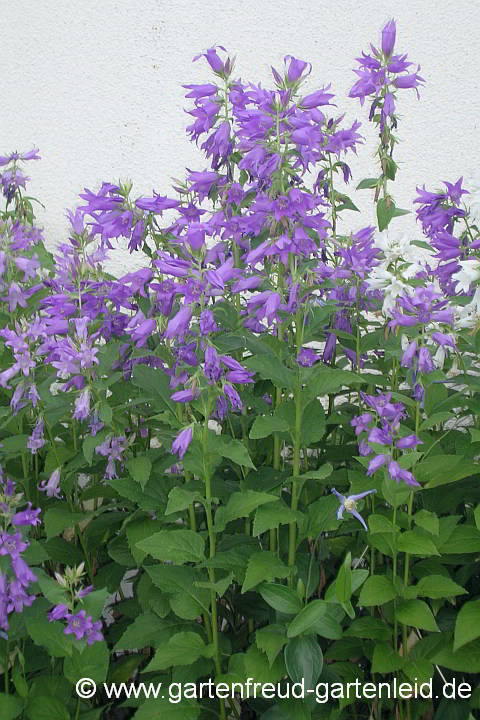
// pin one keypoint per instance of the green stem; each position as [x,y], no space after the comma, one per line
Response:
[5,669]
[292,530]
[212,550]
[395,628]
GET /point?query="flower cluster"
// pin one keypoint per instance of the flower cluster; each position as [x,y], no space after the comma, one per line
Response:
[381,430]
[16,576]
[79,623]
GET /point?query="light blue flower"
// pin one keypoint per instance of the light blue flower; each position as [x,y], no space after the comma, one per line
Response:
[350,505]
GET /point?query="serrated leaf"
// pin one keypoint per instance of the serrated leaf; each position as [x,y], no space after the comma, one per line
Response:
[271,368]
[386,659]
[182,649]
[92,663]
[10,706]
[413,542]
[147,630]
[140,468]
[180,498]
[240,504]
[438,586]
[59,519]
[177,581]
[467,624]
[265,425]
[377,590]
[231,449]
[417,614]
[272,515]
[428,521]
[220,586]
[271,640]
[50,636]
[176,546]
[464,539]
[264,566]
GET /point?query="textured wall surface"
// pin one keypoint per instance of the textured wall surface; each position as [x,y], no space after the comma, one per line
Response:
[97,87]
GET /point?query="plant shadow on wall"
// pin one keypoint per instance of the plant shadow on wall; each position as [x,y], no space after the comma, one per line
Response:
[256,459]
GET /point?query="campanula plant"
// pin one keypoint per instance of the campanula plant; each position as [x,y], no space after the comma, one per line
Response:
[255,459]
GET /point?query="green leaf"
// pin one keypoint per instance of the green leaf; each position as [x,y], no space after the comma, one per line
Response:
[327,380]
[385,212]
[464,539]
[418,670]
[240,504]
[271,640]
[156,385]
[179,499]
[380,524]
[436,418]
[369,628]
[304,660]
[263,566]
[466,659]
[477,517]
[343,585]
[10,706]
[438,586]
[220,586]
[346,204]
[428,521]
[467,624]
[232,449]
[417,614]
[413,542]
[368,184]
[271,368]
[307,617]
[14,444]
[137,530]
[272,515]
[91,663]
[182,649]
[50,587]
[281,598]
[377,590]
[386,659]
[105,413]
[42,707]
[59,519]
[400,211]
[140,468]
[177,546]
[265,425]
[443,469]
[313,423]
[147,630]
[50,636]
[258,667]
[179,582]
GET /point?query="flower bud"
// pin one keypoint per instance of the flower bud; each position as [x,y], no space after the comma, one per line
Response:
[389,33]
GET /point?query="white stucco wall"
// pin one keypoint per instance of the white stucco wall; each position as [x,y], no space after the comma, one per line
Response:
[97,86]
